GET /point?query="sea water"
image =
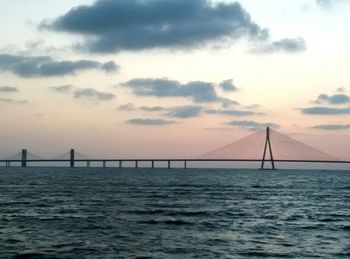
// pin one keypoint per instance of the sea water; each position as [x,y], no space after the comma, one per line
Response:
[176,213]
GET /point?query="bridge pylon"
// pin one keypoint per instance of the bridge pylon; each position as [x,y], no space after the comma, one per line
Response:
[267,146]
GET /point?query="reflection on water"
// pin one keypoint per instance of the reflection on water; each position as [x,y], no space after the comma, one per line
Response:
[145,213]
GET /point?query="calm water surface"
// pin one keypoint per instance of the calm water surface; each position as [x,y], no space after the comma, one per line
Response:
[129,213]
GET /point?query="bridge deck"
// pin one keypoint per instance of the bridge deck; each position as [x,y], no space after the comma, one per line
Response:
[136,161]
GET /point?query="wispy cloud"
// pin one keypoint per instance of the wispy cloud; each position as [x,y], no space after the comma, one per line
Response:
[184,111]
[339,98]
[332,127]
[8,89]
[150,122]
[12,101]
[45,66]
[127,107]
[329,3]
[93,94]
[199,92]
[228,85]
[252,125]
[288,45]
[62,88]
[233,112]
[325,111]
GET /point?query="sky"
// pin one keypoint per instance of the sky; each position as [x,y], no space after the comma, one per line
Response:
[172,78]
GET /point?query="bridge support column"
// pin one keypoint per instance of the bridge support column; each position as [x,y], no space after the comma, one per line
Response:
[24,158]
[120,164]
[185,164]
[136,164]
[169,166]
[8,163]
[152,164]
[72,155]
[104,164]
[268,145]
[87,163]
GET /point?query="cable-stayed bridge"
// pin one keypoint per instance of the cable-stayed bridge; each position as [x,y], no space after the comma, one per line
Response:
[267,147]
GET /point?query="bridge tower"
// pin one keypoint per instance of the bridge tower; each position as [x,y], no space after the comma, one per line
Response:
[267,146]
[72,153]
[24,158]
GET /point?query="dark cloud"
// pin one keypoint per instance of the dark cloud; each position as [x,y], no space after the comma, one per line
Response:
[150,122]
[8,89]
[184,111]
[62,88]
[325,111]
[285,45]
[199,92]
[333,127]
[115,25]
[228,85]
[93,94]
[252,125]
[232,112]
[333,99]
[45,66]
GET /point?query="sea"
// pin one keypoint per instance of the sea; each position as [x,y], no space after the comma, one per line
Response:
[176,213]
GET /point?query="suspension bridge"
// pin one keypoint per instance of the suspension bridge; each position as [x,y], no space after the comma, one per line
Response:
[267,147]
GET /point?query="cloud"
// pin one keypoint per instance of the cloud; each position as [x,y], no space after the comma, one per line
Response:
[333,127]
[62,88]
[150,122]
[328,3]
[289,45]
[324,3]
[45,66]
[127,107]
[12,101]
[232,112]
[199,92]
[116,25]
[184,111]
[153,108]
[8,89]
[325,111]
[228,85]
[176,112]
[93,94]
[333,99]
[252,125]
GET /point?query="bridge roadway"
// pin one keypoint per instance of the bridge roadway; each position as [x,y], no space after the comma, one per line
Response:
[136,162]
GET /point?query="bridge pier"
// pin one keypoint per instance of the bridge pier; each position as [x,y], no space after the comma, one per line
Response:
[72,155]
[120,164]
[8,163]
[136,164]
[152,164]
[87,163]
[24,158]
[104,164]
[169,164]
[185,164]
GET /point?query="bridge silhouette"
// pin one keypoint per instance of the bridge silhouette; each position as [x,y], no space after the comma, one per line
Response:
[266,147]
